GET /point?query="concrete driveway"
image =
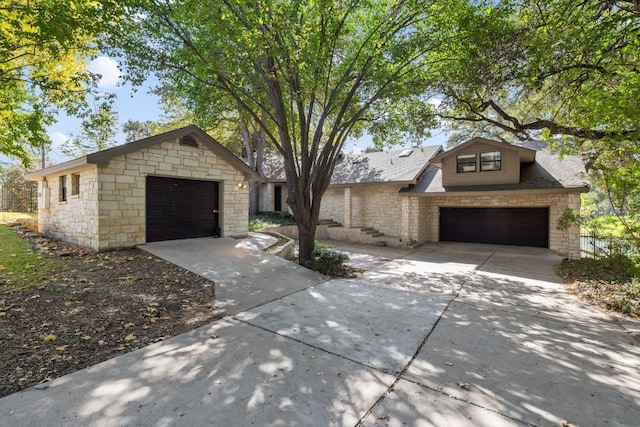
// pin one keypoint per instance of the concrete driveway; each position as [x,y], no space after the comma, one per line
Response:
[445,335]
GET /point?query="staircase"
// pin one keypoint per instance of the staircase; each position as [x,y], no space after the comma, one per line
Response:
[329,223]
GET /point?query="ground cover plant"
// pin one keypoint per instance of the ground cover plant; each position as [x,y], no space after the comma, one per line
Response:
[610,283]
[270,219]
[64,308]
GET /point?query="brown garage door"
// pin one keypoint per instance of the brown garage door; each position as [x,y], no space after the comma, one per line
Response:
[181,208]
[501,226]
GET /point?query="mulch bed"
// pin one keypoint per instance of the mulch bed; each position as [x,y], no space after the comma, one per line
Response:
[100,306]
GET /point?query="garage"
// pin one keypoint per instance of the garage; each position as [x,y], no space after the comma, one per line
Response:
[181,208]
[501,226]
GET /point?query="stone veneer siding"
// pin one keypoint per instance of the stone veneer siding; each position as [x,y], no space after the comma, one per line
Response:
[122,190]
[564,243]
[332,205]
[110,211]
[377,207]
[75,220]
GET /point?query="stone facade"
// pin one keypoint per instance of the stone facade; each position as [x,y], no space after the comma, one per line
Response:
[415,220]
[110,210]
[565,243]
[74,220]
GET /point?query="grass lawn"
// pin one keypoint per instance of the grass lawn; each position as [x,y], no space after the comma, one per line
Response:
[6,217]
[20,266]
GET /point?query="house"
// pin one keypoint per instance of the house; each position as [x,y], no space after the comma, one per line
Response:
[179,184]
[482,191]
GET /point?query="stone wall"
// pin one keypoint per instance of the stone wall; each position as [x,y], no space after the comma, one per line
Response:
[266,197]
[122,189]
[76,219]
[332,205]
[564,243]
[377,207]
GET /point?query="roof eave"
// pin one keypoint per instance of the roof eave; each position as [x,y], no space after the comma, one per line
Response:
[71,164]
[527,191]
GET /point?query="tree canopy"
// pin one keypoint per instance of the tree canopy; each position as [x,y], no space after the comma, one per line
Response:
[309,73]
[44,47]
[549,68]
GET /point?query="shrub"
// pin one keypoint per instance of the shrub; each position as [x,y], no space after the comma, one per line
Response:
[327,261]
[270,219]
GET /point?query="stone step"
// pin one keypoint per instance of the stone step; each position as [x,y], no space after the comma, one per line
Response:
[378,234]
[329,223]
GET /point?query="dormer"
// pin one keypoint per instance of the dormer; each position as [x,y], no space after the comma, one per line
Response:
[481,161]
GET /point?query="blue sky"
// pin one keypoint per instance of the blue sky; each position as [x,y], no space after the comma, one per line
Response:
[141,105]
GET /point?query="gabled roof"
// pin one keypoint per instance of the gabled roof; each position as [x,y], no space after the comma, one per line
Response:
[389,167]
[549,171]
[103,157]
[527,155]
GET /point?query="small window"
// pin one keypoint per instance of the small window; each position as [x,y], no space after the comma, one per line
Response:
[466,163]
[75,184]
[63,188]
[491,161]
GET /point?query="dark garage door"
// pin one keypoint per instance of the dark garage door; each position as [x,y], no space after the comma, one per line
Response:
[500,226]
[181,208]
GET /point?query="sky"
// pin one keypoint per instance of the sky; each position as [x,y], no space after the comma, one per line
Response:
[140,105]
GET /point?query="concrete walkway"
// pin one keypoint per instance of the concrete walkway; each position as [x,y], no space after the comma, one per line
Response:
[445,335]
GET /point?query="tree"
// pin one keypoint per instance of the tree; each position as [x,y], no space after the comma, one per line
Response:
[563,66]
[135,130]
[548,68]
[43,65]
[98,133]
[308,73]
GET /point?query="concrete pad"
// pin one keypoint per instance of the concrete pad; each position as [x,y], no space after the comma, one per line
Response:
[522,262]
[227,374]
[373,325]
[413,405]
[244,277]
[363,248]
[364,262]
[533,368]
[420,276]
[535,297]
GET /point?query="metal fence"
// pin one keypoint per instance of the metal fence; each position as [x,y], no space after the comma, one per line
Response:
[22,199]
[599,246]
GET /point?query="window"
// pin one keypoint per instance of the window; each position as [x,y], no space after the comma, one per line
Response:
[466,163]
[63,188]
[491,161]
[75,184]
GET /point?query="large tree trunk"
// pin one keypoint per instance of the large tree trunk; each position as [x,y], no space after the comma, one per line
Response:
[255,158]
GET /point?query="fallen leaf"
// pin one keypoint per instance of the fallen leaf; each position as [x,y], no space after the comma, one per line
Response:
[384,417]
[464,385]
[50,337]
[448,363]
[129,325]
[130,337]
[100,329]
[62,347]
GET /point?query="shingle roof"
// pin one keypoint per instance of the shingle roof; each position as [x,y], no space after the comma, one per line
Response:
[378,167]
[103,157]
[549,171]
